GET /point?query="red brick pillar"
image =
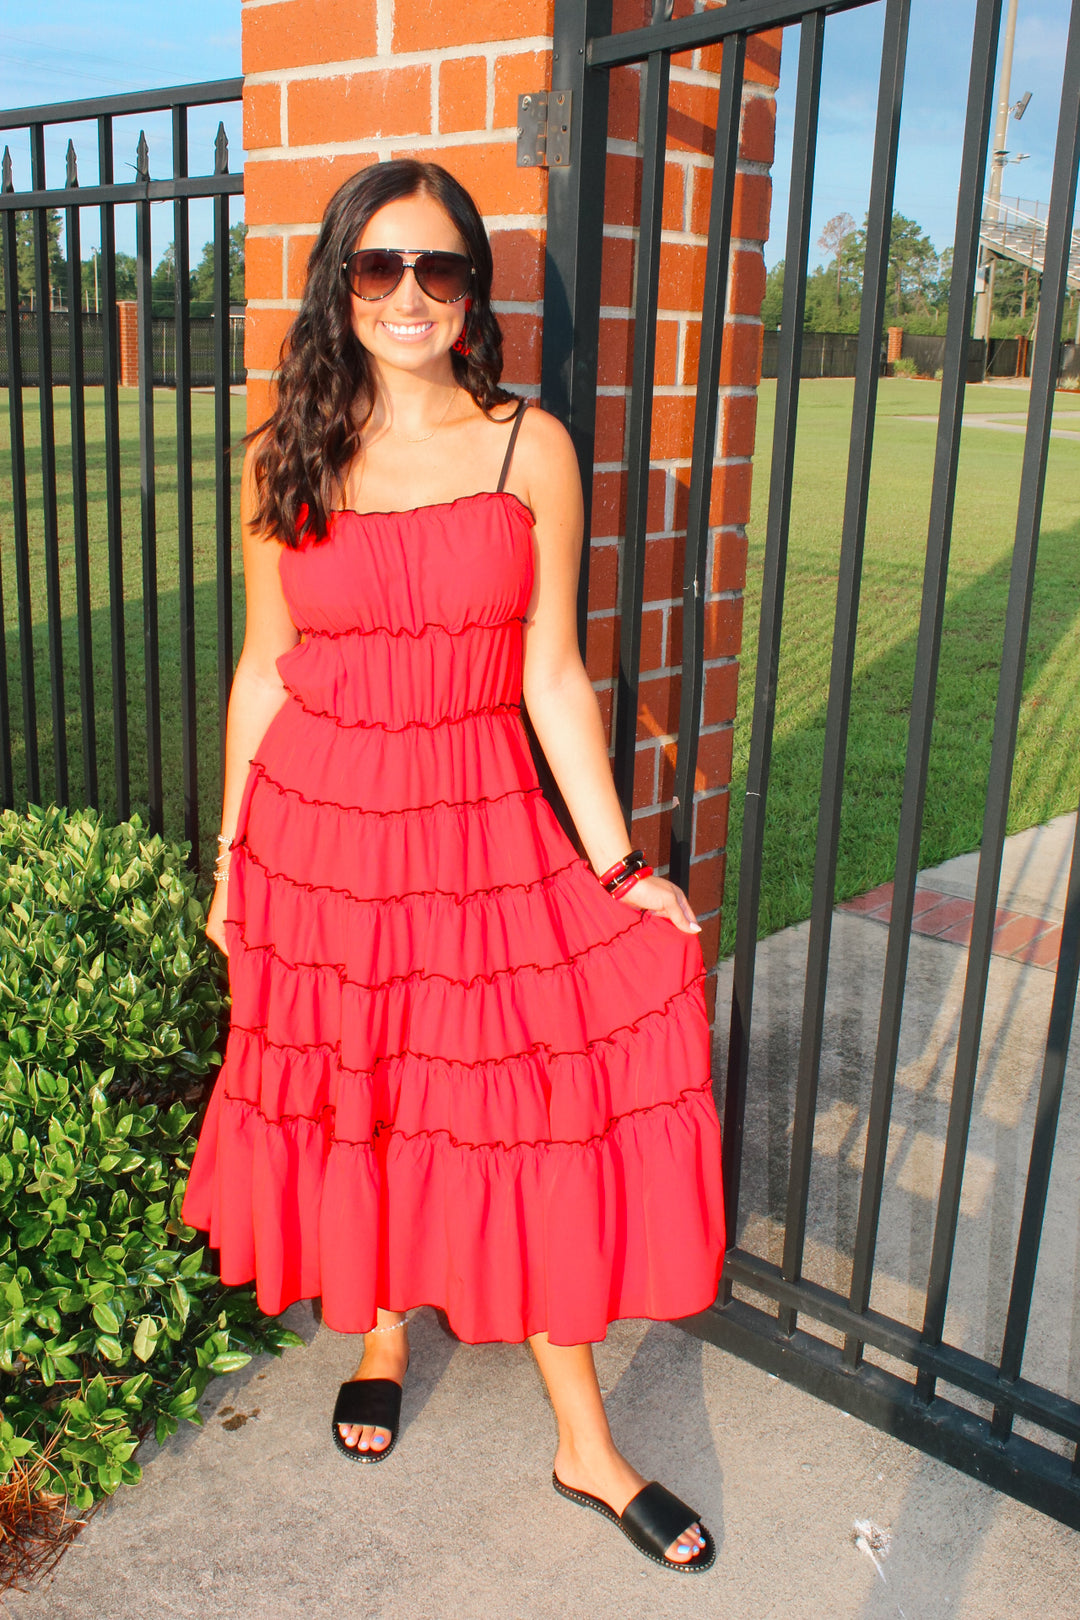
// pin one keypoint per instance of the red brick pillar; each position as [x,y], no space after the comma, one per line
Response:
[334,84]
[128,316]
[896,344]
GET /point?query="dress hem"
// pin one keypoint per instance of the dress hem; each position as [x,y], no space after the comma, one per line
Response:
[528,1333]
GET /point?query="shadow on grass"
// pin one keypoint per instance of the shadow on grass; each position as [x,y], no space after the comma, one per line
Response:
[1046,777]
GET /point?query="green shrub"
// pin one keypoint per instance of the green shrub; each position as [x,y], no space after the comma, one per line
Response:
[110,1010]
[905,367]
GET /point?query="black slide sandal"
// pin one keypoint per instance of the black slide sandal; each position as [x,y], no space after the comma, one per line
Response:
[374,1401]
[652,1520]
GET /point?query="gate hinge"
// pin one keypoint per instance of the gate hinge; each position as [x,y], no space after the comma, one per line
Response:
[543,135]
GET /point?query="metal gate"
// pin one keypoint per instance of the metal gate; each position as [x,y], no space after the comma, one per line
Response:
[772,1313]
[42,524]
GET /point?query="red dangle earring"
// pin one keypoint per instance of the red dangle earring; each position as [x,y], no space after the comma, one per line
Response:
[460,345]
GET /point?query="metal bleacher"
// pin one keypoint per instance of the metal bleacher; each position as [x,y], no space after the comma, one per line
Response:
[1019,233]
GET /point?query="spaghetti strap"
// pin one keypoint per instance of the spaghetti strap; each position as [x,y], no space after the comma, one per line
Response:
[519,416]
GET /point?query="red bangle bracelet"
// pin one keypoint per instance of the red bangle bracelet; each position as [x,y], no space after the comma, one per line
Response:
[628,883]
[630,862]
[606,877]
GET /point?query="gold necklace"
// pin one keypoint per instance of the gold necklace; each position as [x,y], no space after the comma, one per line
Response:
[426,436]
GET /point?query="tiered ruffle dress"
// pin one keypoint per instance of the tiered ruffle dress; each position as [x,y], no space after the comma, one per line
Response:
[458,1072]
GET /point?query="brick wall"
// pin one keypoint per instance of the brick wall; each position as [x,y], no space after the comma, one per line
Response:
[334,84]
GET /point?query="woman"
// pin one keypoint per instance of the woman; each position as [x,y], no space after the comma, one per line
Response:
[460,1070]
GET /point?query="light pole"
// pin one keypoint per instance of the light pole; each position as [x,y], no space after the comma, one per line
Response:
[984,304]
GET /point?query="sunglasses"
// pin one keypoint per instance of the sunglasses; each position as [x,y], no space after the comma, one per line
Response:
[373,273]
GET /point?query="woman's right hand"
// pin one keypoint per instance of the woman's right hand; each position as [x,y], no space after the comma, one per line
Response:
[215,920]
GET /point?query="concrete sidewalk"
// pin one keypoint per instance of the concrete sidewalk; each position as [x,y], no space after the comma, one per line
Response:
[257,1517]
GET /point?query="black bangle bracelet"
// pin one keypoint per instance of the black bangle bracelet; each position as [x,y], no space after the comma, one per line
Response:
[629,864]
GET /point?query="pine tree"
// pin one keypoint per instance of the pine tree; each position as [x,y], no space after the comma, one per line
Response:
[24,245]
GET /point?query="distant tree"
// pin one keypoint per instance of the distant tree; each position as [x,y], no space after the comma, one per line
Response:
[163,281]
[914,280]
[824,311]
[913,267]
[24,248]
[1009,289]
[834,234]
[772,303]
[126,283]
[202,277]
[125,267]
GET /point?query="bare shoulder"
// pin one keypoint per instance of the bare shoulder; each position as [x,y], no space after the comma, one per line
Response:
[544,432]
[545,460]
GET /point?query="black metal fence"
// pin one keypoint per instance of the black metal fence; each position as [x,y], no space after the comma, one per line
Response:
[89,488]
[895,1367]
[834,354]
[1000,357]
[824,354]
[927,350]
[202,349]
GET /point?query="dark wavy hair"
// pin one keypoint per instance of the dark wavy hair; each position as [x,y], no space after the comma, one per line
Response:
[325,384]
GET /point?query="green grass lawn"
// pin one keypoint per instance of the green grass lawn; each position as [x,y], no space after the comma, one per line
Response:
[1047,773]
[168,600]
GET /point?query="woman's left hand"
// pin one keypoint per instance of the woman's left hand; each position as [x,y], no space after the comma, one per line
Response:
[657,894]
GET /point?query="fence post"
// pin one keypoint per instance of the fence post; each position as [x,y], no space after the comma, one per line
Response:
[127,311]
[896,344]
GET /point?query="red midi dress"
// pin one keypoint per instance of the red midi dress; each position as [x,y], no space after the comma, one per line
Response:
[458,1072]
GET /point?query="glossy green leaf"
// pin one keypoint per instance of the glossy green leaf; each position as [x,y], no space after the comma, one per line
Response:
[105,1317]
[146,1337]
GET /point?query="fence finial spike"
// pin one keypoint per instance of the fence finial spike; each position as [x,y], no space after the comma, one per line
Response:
[142,158]
[7,183]
[221,151]
[72,177]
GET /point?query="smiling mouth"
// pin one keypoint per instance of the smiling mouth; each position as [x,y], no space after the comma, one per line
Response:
[411,329]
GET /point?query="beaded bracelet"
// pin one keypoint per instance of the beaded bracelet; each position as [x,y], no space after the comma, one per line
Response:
[221,865]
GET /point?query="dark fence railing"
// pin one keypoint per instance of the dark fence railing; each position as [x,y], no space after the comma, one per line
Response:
[142,505]
[201,347]
[808,1291]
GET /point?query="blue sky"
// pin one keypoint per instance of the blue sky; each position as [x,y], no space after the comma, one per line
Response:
[932,122]
[65,49]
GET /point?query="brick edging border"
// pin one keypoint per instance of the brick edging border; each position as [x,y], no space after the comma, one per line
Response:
[1034,941]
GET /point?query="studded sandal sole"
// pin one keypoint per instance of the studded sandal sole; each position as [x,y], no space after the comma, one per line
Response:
[652,1520]
[373,1401]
